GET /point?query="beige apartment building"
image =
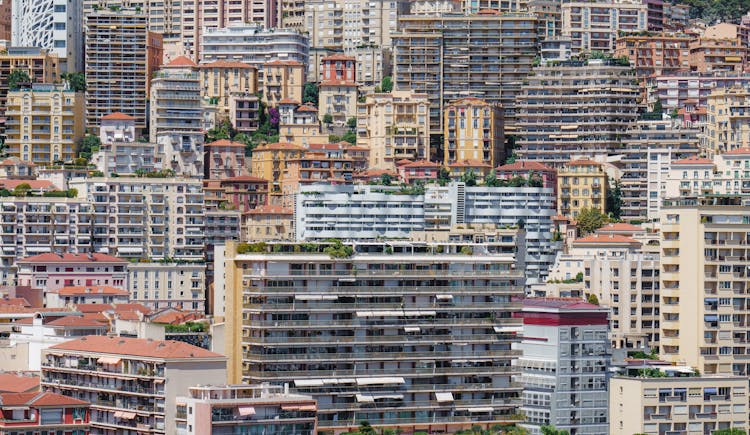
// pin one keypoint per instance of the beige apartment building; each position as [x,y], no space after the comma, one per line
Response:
[727,124]
[473,132]
[283,80]
[393,127]
[581,184]
[595,26]
[44,123]
[42,66]
[692,405]
[220,79]
[268,223]
[703,283]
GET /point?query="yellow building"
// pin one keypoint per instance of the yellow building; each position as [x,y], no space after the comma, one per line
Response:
[283,80]
[727,120]
[269,161]
[222,78]
[267,223]
[44,123]
[42,66]
[473,132]
[394,126]
[704,283]
[581,184]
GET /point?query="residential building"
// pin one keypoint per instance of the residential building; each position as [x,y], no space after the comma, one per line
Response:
[473,130]
[564,367]
[299,124]
[691,90]
[451,56]
[709,55]
[457,170]
[292,14]
[245,408]
[595,26]
[221,226]
[370,66]
[655,15]
[175,100]
[253,45]
[150,219]
[655,54]
[127,158]
[270,162]
[50,25]
[649,147]
[469,379]
[117,127]
[268,223]
[316,167]
[160,285]
[125,379]
[225,159]
[403,132]
[44,123]
[421,170]
[688,404]
[13,167]
[529,170]
[702,249]
[581,184]
[182,152]
[357,212]
[691,176]
[36,412]
[241,193]
[575,109]
[337,91]
[121,57]
[6,19]
[94,294]
[244,112]
[52,272]
[164,18]
[283,80]
[220,79]
[727,121]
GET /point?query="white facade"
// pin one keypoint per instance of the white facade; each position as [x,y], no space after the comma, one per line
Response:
[125,158]
[182,152]
[55,25]
[160,285]
[175,102]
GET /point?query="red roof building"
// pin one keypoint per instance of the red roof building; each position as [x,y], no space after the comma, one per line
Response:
[51,272]
[43,412]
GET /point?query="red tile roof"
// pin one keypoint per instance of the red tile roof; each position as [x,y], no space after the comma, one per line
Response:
[118,116]
[34,184]
[244,179]
[225,64]
[279,146]
[289,101]
[133,307]
[279,62]
[606,239]
[15,383]
[92,290]
[271,209]
[225,143]
[93,308]
[307,108]
[76,322]
[39,399]
[739,151]
[469,163]
[693,161]
[72,258]
[620,227]
[525,165]
[421,164]
[338,83]
[167,349]
[173,316]
[583,162]
[181,61]
[338,57]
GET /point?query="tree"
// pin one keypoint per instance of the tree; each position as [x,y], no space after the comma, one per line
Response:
[491,180]
[444,176]
[386,85]
[76,81]
[310,94]
[469,177]
[592,299]
[17,78]
[590,220]
[614,199]
[386,179]
[223,130]
[550,430]
[328,119]
[658,107]
[350,137]
[351,123]
[23,189]
[733,431]
[88,145]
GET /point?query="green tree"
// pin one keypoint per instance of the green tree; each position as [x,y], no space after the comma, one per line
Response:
[550,430]
[351,123]
[491,180]
[592,299]
[223,130]
[590,220]
[328,119]
[444,176]
[386,85]
[732,431]
[17,78]
[76,81]
[23,189]
[386,179]
[88,145]
[310,94]
[658,107]
[350,137]
[614,199]
[469,177]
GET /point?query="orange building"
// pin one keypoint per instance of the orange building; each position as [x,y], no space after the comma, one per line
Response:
[655,54]
[713,55]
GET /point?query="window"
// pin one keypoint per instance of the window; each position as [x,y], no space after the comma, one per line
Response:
[51,416]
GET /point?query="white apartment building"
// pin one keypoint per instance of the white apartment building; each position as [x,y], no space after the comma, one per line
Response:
[564,366]
[727,174]
[55,25]
[182,152]
[159,285]
[595,26]
[175,99]
[125,158]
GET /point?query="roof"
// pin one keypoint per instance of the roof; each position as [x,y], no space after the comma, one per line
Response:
[92,290]
[72,258]
[289,101]
[338,57]
[77,322]
[338,83]
[93,308]
[564,303]
[118,116]
[279,62]
[524,165]
[421,164]
[225,64]
[225,143]
[34,184]
[307,108]
[620,227]
[469,163]
[181,61]
[278,146]
[36,399]
[606,239]
[693,161]
[474,101]
[583,162]
[133,307]
[174,316]
[738,151]
[16,383]
[243,179]
[270,209]
[166,349]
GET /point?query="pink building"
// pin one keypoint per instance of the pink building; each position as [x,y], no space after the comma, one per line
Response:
[410,172]
[51,272]
[524,168]
[339,69]
[225,159]
[43,412]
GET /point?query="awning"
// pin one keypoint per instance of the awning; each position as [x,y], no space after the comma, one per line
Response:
[480,409]
[377,381]
[444,297]
[315,297]
[444,397]
[158,381]
[125,415]
[363,398]
[108,360]
[508,328]
[298,407]
[395,313]
[308,382]
[246,410]
[710,318]
[388,396]
[411,329]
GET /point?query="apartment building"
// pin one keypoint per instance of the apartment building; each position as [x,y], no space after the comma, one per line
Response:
[292,14]
[394,126]
[164,18]
[430,327]
[42,66]
[581,184]
[253,45]
[44,123]
[702,282]
[356,212]
[655,54]
[649,147]
[595,26]
[564,367]
[182,151]
[52,272]
[727,120]
[338,89]
[146,218]
[244,408]
[283,80]
[125,158]
[35,412]
[299,124]
[451,56]
[160,285]
[220,79]
[244,112]
[131,383]
[316,167]
[268,223]
[271,161]
[686,90]
[225,159]
[175,100]
[241,193]
[575,108]
[726,174]
[54,26]
[686,404]
[522,168]
[474,132]
[121,57]
[710,55]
